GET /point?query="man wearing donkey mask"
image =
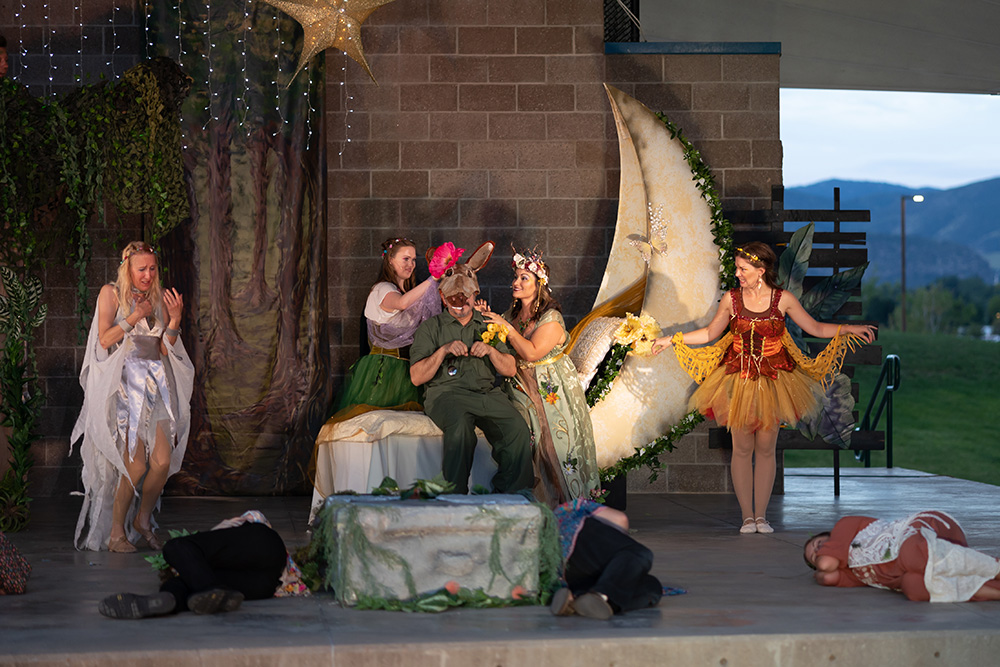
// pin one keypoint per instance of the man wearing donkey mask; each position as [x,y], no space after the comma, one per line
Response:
[449,355]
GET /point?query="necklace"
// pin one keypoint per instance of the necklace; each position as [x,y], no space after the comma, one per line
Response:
[522,325]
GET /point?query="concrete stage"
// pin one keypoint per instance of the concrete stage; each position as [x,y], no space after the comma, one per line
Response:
[751,600]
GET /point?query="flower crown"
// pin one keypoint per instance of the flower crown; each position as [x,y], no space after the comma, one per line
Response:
[139,249]
[749,255]
[531,261]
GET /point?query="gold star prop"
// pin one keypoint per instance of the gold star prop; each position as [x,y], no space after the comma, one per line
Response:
[330,23]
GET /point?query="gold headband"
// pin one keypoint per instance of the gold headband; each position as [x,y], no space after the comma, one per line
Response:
[749,255]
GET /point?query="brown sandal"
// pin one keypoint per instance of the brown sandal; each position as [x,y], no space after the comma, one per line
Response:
[151,539]
[121,545]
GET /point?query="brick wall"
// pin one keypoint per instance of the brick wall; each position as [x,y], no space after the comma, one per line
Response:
[489,122]
[51,48]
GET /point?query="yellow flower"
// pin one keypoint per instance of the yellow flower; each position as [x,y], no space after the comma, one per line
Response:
[494,331]
[638,331]
[629,330]
[501,331]
[551,398]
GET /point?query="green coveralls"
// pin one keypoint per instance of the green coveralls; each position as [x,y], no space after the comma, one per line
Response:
[466,398]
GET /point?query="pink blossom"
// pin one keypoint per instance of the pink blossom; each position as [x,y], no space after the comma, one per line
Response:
[444,257]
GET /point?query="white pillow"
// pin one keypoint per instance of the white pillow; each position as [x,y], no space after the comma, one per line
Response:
[592,345]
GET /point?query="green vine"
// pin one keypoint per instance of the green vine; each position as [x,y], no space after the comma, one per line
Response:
[441,600]
[61,161]
[20,395]
[607,372]
[603,380]
[649,455]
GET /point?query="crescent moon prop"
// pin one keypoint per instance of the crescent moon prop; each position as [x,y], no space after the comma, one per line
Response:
[682,283]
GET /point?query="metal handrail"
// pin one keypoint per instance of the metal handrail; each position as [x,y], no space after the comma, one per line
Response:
[885,387]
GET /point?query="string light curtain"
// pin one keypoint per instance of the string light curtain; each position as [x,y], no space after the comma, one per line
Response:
[251,261]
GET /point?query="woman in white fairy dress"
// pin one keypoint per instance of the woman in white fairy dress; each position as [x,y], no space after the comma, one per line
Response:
[137,381]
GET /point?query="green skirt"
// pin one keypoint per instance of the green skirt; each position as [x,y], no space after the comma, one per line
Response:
[380,381]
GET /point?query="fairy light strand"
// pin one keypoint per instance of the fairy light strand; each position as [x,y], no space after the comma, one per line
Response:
[20,41]
[180,60]
[47,34]
[244,105]
[347,101]
[277,86]
[308,96]
[145,23]
[210,98]
[114,42]
[78,13]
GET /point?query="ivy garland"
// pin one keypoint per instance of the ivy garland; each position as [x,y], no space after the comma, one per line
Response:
[61,161]
[722,230]
[606,373]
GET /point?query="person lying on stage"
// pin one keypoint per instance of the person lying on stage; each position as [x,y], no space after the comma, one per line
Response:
[242,558]
[605,570]
[924,556]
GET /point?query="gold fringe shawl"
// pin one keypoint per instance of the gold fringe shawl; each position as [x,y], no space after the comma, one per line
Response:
[699,362]
[825,365]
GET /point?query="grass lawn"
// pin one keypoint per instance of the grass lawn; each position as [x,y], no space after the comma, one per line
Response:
[947,408]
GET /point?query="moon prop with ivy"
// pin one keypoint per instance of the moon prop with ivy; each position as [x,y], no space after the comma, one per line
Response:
[662,205]
[330,24]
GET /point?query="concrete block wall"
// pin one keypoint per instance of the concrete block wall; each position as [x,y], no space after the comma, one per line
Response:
[53,46]
[489,121]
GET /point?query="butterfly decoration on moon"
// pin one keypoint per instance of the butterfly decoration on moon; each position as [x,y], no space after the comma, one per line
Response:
[330,24]
[656,242]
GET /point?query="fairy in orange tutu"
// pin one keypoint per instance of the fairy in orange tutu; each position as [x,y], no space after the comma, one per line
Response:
[755,378]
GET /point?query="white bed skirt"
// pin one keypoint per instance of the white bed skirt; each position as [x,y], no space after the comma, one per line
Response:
[406,446]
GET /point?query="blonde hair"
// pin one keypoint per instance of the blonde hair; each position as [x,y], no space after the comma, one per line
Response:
[124,286]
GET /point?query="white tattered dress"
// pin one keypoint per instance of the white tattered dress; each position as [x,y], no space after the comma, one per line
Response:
[127,391]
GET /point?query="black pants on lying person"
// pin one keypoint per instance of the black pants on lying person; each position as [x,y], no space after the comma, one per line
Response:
[216,571]
[606,572]
[607,561]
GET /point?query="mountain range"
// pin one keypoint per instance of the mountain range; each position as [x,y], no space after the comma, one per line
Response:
[952,232]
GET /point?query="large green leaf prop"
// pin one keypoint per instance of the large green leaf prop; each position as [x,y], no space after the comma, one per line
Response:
[794,261]
[834,423]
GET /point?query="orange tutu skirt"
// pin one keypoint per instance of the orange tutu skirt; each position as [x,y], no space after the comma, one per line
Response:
[742,404]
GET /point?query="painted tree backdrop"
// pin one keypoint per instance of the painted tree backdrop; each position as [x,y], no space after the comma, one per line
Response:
[251,258]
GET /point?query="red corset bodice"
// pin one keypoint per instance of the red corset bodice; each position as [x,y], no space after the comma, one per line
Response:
[756,348]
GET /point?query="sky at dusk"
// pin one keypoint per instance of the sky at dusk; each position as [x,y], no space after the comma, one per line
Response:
[914,139]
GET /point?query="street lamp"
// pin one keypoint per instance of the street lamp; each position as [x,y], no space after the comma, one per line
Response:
[902,253]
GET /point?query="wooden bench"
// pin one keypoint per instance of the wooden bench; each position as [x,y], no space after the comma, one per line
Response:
[720,438]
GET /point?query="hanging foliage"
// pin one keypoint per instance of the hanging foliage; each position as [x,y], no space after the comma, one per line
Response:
[21,312]
[60,161]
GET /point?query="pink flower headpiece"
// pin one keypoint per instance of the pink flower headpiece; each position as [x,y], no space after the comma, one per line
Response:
[531,260]
[445,256]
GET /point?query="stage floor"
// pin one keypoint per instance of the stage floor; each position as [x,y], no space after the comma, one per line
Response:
[751,600]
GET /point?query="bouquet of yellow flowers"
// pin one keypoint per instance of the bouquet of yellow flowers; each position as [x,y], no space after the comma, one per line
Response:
[494,333]
[639,332]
